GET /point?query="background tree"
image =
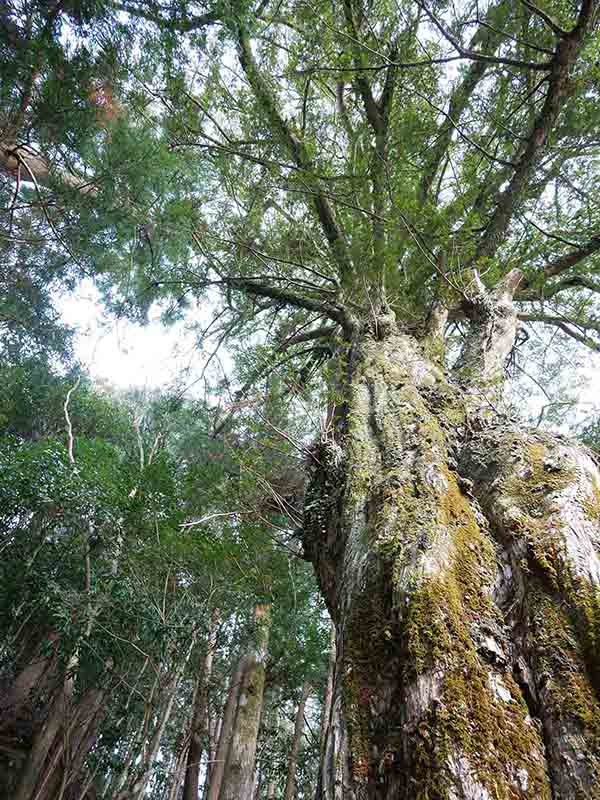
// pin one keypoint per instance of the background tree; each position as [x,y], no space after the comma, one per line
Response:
[365,185]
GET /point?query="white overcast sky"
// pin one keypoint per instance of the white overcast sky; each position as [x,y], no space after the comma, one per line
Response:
[124,354]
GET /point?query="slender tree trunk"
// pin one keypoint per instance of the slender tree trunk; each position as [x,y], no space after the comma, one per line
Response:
[214,733]
[227,723]
[36,674]
[290,784]
[239,770]
[199,716]
[328,695]
[271,790]
[459,557]
[47,734]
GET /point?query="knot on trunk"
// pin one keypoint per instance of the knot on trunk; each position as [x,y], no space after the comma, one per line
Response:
[381,323]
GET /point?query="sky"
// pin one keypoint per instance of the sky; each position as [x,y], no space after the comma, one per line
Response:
[124,354]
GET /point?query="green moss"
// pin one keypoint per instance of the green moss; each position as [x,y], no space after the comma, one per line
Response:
[493,735]
[434,349]
[567,650]
[369,645]
[564,608]
[396,452]
[591,505]
[533,488]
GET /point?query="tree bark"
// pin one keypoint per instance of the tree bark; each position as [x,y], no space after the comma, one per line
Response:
[199,716]
[46,736]
[19,696]
[239,771]
[459,559]
[218,771]
[328,695]
[290,784]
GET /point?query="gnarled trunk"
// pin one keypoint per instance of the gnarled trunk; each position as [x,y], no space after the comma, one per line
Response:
[459,558]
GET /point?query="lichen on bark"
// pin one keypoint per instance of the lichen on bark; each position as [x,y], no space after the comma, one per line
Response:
[429,704]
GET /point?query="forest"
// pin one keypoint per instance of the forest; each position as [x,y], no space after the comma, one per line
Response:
[353,553]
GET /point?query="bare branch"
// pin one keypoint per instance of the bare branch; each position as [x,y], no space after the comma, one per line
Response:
[68,419]
[566,325]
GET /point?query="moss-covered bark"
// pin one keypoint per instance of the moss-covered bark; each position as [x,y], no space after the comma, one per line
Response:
[238,779]
[446,614]
[540,493]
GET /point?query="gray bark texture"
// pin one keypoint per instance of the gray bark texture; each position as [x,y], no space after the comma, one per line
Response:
[238,779]
[459,556]
[218,771]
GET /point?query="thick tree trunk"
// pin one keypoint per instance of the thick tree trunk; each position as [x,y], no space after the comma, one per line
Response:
[459,559]
[290,784]
[37,674]
[239,770]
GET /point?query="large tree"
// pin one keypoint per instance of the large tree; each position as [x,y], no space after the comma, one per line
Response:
[382,180]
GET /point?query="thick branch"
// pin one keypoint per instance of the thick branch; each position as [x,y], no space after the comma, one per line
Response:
[324,332]
[12,157]
[565,55]
[561,264]
[487,39]
[152,14]
[294,146]
[288,298]
[490,338]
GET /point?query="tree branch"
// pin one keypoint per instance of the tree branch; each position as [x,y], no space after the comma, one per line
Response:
[551,23]
[252,287]
[564,325]
[12,155]
[565,55]
[70,436]
[488,39]
[282,130]
[559,265]
[474,56]
[152,14]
